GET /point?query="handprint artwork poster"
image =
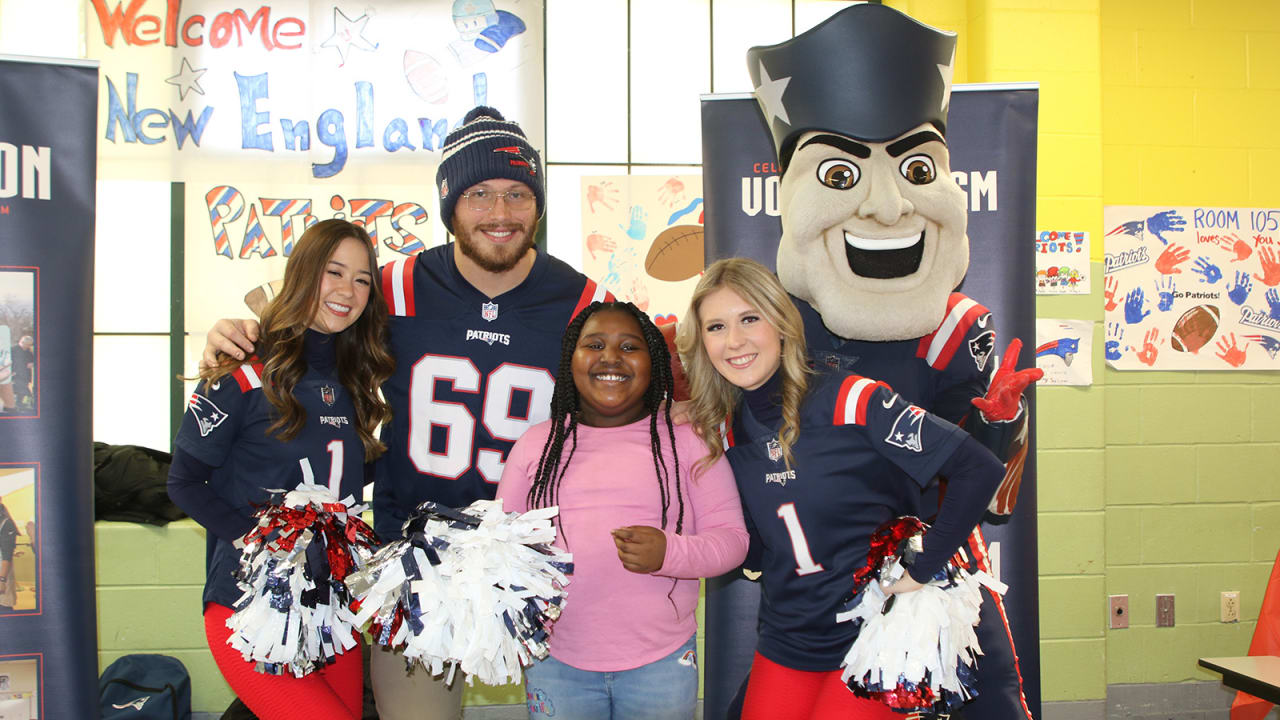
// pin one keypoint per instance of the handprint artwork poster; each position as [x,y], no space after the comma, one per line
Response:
[1062,262]
[642,239]
[1064,349]
[1192,288]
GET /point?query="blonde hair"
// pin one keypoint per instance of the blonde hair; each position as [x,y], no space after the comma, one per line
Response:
[712,397]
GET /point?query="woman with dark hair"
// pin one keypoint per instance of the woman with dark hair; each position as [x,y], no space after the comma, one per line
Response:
[822,459]
[303,408]
[641,512]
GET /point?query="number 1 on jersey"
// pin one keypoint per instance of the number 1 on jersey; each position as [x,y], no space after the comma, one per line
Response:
[799,546]
[335,467]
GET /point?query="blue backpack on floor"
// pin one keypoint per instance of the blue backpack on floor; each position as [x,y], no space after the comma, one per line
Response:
[145,687]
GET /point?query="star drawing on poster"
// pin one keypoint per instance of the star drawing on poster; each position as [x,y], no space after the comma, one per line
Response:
[187,79]
[770,93]
[348,33]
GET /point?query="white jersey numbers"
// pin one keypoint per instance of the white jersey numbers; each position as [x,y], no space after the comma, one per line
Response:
[799,545]
[335,468]
[456,421]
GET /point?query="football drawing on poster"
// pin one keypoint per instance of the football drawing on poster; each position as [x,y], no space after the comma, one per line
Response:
[1062,262]
[1064,349]
[642,239]
[1192,288]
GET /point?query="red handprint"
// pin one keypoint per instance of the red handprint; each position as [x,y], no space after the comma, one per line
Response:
[603,194]
[603,243]
[1147,355]
[1003,399]
[1270,267]
[640,294]
[671,192]
[1235,245]
[1230,352]
[1169,260]
[1109,292]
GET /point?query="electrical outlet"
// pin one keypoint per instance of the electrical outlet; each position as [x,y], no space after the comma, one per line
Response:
[1230,610]
[1164,611]
[1119,612]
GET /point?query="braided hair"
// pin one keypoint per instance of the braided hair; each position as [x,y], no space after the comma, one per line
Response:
[566,409]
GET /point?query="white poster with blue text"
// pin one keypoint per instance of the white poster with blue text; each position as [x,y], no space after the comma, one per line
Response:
[1192,288]
[280,114]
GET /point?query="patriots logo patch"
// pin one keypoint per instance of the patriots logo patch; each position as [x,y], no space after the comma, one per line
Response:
[136,704]
[907,430]
[208,416]
[775,449]
[981,348]
[519,159]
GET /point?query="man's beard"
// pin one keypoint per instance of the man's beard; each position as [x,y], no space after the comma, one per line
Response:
[499,259]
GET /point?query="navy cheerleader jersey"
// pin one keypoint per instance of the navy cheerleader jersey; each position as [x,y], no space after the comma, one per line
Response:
[225,426]
[861,459]
[472,374]
[942,371]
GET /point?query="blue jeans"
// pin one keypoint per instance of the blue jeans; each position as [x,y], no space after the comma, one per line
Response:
[665,689]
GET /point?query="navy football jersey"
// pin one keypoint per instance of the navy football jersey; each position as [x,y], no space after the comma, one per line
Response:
[863,455]
[941,371]
[472,374]
[225,426]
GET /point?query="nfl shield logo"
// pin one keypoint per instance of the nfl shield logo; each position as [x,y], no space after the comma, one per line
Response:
[775,449]
[489,311]
[327,395]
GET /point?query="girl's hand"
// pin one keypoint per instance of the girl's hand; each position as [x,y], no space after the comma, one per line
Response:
[905,584]
[641,548]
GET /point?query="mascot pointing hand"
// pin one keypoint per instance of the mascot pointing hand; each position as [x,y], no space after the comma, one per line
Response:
[873,247]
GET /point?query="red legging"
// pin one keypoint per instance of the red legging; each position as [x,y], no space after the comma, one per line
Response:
[334,691]
[780,693]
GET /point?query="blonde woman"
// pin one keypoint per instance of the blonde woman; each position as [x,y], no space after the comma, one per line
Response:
[821,460]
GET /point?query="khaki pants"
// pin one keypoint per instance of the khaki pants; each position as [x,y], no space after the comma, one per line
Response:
[412,696]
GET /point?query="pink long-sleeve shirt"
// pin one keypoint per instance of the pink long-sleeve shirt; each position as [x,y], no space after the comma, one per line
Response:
[614,619]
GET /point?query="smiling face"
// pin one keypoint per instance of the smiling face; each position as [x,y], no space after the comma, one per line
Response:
[741,344]
[344,287]
[611,369]
[873,234]
[498,238]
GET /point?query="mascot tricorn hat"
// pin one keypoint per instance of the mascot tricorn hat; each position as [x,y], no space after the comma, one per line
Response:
[867,72]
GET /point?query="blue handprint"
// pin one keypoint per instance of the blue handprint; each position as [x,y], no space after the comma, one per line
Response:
[1133,302]
[637,227]
[1115,333]
[1166,288]
[1212,273]
[1162,222]
[1240,291]
[1273,299]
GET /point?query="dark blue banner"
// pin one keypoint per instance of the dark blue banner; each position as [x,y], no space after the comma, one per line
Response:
[48,633]
[991,134]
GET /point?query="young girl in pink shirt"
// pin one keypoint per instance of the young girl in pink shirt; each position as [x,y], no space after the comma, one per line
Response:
[642,515]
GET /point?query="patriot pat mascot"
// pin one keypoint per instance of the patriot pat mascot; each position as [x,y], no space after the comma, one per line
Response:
[873,247]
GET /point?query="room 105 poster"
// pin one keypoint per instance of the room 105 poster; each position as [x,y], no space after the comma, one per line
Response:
[1192,288]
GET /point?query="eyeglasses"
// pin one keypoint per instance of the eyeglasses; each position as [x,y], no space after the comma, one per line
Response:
[484,200]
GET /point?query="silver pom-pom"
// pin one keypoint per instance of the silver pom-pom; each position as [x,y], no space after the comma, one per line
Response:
[294,615]
[472,589]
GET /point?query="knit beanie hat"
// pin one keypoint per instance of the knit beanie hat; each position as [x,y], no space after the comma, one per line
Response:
[486,147]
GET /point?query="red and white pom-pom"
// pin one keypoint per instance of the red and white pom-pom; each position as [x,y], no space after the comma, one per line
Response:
[915,651]
[473,589]
[294,615]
